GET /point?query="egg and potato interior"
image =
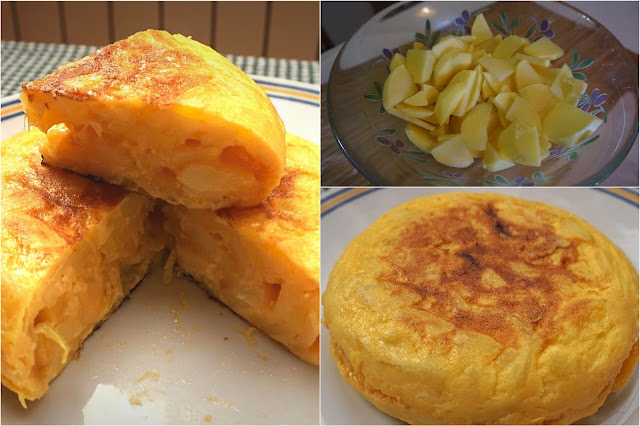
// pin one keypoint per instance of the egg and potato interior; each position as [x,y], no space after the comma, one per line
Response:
[482,96]
[73,248]
[165,115]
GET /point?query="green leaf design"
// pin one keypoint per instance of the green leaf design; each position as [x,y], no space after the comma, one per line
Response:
[530,31]
[489,182]
[378,87]
[372,96]
[575,57]
[514,24]
[572,156]
[500,179]
[504,19]
[418,153]
[431,179]
[381,110]
[584,64]
[499,28]
[418,160]
[387,131]
[435,38]
[579,76]
[537,176]
[421,38]
[427,28]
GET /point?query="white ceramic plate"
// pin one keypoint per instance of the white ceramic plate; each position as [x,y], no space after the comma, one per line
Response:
[182,356]
[346,213]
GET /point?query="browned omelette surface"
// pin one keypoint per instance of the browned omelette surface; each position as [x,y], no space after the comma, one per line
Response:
[481,308]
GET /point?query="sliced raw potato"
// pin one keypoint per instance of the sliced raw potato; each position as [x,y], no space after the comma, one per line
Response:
[519,143]
[490,45]
[487,91]
[526,75]
[397,59]
[420,137]
[547,74]
[451,96]
[503,101]
[461,108]
[522,110]
[480,29]
[419,99]
[503,120]
[567,125]
[493,161]
[474,128]
[418,45]
[544,63]
[493,82]
[440,130]
[445,138]
[397,87]
[477,54]
[545,49]
[405,117]
[453,153]
[446,44]
[545,145]
[415,111]
[556,86]
[499,68]
[420,64]
[474,95]
[508,47]
[539,97]
[572,88]
[449,65]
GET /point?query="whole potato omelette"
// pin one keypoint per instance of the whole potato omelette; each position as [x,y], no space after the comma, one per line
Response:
[483,309]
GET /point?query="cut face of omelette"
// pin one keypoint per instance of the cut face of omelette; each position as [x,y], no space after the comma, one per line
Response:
[163,114]
[72,248]
[262,262]
[483,309]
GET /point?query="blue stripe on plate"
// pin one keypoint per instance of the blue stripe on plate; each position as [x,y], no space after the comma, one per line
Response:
[613,194]
[13,102]
[15,114]
[287,98]
[355,197]
[287,86]
[348,200]
[334,195]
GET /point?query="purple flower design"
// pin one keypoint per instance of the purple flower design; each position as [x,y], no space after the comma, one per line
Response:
[522,181]
[596,99]
[556,151]
[544,29]
[388,53]
[462,22]
[453,175]
[395,146]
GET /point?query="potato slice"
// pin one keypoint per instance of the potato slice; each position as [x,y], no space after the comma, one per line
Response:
[487,91]
[420,64]
[405,117]
[509,46]
[503,101]
[556,86]
[480,29]
[414,111]
[519,143]
[420,137]
[397,59]
[572,88]
[418,45]
[397,87]
[446,44]
[451,96]
[493,161]
[453,153]
[474,128]
[545,145]
[526,75]
[449,65]
[474,95]
[544,49]
[567,125]
[540,98]
[499,68]
[522,110]
[490,45]
[544,63]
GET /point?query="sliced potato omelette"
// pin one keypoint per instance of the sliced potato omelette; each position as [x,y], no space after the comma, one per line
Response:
[72,249]
[465,308]
[163,114]
[263,261]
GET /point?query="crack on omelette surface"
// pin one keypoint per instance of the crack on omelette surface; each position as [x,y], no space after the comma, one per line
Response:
[153,68]
[492,276]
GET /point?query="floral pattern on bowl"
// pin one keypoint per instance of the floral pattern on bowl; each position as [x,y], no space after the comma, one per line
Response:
[592,103]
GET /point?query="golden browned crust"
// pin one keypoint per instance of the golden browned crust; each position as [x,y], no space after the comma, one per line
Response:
[483,309]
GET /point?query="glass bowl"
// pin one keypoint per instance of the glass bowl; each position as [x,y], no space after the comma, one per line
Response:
[376,144]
